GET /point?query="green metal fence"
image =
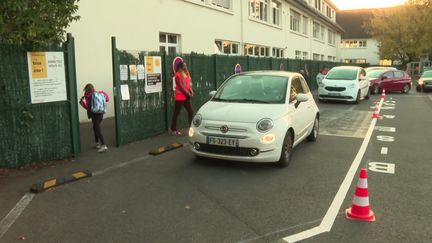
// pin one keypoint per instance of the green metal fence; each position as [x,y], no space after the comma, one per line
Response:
[35,132]
[146,115]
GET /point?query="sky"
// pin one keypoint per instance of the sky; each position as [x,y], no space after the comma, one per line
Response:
[356,4]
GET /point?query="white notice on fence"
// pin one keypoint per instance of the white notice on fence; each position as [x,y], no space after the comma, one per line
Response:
[133,72]
[123,72]
[153,68]
[124,88]
[47,77]
[141,72]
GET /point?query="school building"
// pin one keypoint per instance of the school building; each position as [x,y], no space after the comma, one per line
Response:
[303,29]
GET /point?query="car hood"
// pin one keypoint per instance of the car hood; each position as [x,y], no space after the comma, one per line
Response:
[241,112]
[426,79]
[337,82]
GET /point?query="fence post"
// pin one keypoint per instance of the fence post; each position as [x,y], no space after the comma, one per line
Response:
[165,89]
[116,92]
[73,98]
[215,82]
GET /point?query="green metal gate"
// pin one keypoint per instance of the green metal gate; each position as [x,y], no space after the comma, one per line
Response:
[35,132]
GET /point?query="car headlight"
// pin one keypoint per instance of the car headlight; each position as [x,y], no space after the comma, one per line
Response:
[197,120]
[264,125]
[420,82]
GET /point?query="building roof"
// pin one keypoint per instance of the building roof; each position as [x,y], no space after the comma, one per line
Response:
[352,22]
[305,6]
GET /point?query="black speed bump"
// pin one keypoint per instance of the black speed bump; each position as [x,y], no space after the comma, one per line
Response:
[44,185]
[164,149]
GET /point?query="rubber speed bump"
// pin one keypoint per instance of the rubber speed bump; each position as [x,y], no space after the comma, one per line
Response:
[44,185]
[164,149]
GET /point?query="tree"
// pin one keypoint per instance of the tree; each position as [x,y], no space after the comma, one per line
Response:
[36,22]
[403,32]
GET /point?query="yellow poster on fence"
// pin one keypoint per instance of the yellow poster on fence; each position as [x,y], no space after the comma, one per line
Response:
[149,64]
[38,65]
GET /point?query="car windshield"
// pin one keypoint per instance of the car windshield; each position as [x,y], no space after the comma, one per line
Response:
[375,73]
[427,74]
[264,89]
[342,74]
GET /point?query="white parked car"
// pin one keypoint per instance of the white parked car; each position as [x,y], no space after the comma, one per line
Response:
[345,83]
[256,117]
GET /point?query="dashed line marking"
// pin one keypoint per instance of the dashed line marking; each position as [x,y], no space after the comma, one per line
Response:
[384,150]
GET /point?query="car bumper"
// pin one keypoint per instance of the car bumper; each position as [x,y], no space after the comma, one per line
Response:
[425,86]
[346,95]
[247,142]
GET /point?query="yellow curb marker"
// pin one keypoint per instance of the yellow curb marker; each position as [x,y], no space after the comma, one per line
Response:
[50,183]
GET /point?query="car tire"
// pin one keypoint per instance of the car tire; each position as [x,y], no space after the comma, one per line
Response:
[406,88]
[287,148]
[418,88]
[375,89]
[314,134]
[358,98]
[367,95]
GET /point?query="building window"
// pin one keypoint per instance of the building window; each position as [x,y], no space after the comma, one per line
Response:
[322,32]
[278,52]
[169,43]
[354,44]
[329,12]
[318,4]
[322,57]
[227,47]
[295,21]
[305,55]
[316,30]
[222,3]
[329,58]
[316,57]
[298,54]
[331,37]
[258,9]
[276,13]
[305,25]
[256,50]
[357,61]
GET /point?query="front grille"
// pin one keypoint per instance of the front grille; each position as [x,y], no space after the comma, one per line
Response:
[335,88]
[214,149]
[336,97]
[428,82]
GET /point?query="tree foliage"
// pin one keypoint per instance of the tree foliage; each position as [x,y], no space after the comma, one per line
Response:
[36,22]
[404,32]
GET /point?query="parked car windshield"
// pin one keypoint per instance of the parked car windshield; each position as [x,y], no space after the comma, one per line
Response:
[375,73]
[342,74]
[427,74]
[263,89]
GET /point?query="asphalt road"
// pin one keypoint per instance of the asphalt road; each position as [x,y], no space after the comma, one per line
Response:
[177,198]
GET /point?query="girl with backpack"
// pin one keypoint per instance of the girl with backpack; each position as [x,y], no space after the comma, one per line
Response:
[95,104]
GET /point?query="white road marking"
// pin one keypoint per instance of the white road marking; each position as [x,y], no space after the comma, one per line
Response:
[382,167]
[389,116]
[329,218]
[384,150]
[385,138]
[12,216]
[387,108]
[385,129]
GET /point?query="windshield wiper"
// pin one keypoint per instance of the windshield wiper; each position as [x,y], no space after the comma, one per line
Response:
[250,100]
[219,99]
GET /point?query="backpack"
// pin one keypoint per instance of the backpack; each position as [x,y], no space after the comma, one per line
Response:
[98,103]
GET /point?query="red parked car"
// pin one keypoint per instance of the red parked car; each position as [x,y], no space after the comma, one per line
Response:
[390,80]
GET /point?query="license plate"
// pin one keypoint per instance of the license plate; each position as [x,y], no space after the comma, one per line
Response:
[228,142]
[334,94]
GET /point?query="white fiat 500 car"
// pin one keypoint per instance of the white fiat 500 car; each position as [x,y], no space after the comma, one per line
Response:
[344,83]
[256,117]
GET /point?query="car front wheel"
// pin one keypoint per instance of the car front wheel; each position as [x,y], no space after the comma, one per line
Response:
[375,89]
[314,134]
[286,153]
[406,88]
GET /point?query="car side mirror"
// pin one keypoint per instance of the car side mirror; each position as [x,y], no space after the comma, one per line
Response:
[302,98]
[212,93]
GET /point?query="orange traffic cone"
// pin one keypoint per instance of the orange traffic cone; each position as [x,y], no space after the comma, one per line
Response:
[376,112]
[360,207]
[383,94]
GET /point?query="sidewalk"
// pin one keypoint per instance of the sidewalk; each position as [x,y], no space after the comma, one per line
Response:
[17,182]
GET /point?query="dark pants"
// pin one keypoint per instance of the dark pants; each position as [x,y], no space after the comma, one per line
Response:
[177,108]
[97,120]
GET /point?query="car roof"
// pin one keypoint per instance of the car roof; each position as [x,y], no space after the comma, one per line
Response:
[270,73]
[347,67]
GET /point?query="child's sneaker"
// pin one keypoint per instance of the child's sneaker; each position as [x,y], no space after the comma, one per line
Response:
[103,148]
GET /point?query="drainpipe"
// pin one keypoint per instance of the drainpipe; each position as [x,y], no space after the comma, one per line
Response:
[241,28]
